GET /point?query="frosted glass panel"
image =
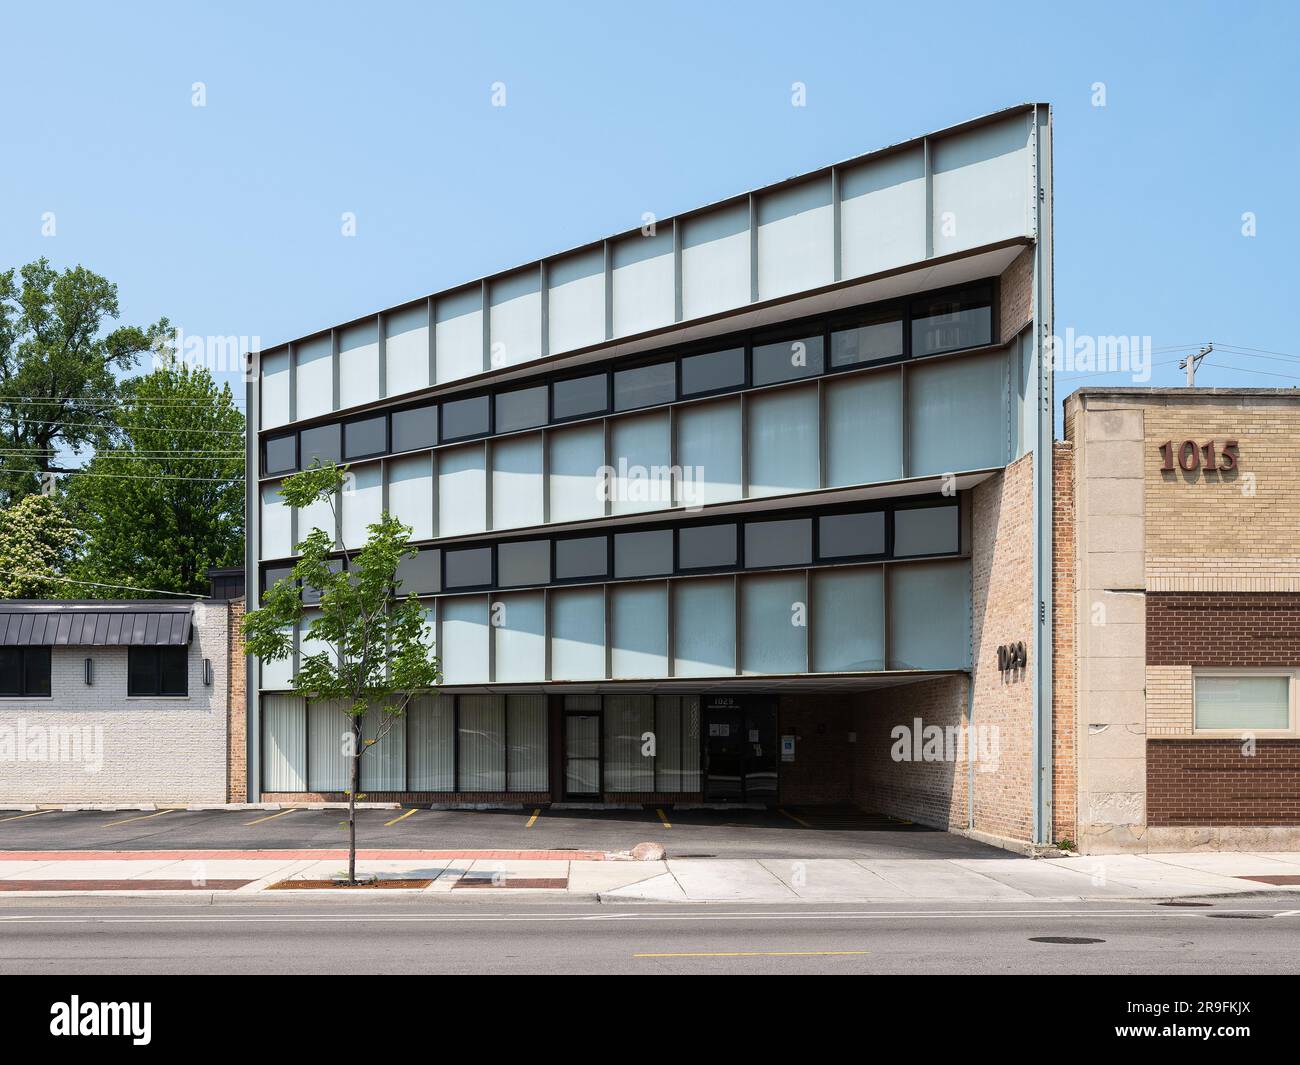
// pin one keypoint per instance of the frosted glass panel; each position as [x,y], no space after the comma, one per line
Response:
[708,451]
[643,282]
[848,617]
[516,318]
[458,334]
[383,766]
[795,245]
[280,673]
[864,439]
[464,650]
[981,185]
[882,213]
[362,501]
[410,493]
[774,624]
[1243,702]
[406,349]
[517,483]
[704,628]
[277,538]
[930,615]
[715,261]
[430,736]
[309,645]
[274,392]
[783,441]
[462,490]
[640,458]
[482,743]
[519,629]
[958,414]
[627,718]
[318,515]
[315,377]
[576,456]
[328,769]
[577,633]
[284,743]
[359,364]
[576,304]
[527,760]
[639,620]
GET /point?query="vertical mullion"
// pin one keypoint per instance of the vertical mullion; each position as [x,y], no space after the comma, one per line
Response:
[432,318]
[677,270]
[382,345]
[334,370]
[836,250]
[486,331]
[753,248]
[609,290]
[544,299]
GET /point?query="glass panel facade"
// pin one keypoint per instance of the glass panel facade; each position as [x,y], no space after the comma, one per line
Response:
[645,386]
[420,573]
[715,260]
[410,493]
[464,650]
[788,360]
[579,557]
[712,371]
[639,630]
[524,409]
[415,429]
[773,624]
[783,442]
[458,334]
[704,627]
[958,413]
[519,629]
[851,535]
[465,417]
[526,562]
[323,445]
[517,484]
[359,364]
[281,455]
[926,531]
[406,349]
[364,437]
[528,754]
[848,620]
[576,457]
[629,722]
[643,554]
[577,633]
[362,502]
[383,766]
[929,604]
[1244,702]
[875,339]
[706,546]
[580,395]
[709,452]
[642,479]
[462,491]
[431,739]
[328,730]
[864,429]
[315,377]
[469,567]
[962,320]
[778,543]
[482,743]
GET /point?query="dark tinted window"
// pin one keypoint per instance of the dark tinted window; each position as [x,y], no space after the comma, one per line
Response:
[787,360]
[846,535]
[415,429]
[469,567]
[706,546]
[465,417]
[524,409]
[369,436]
[869,342]
[778,543]
[421,574]
[925,531]
[157,671]
[24,671]
[274,573]
[11,671]
[645,386]
[961,321]
[142,671]
[524,563]
[321,444]
[717,369]
[580,395]
[643,554]
[312,595]
[281,454]
[173,671]
[584,556]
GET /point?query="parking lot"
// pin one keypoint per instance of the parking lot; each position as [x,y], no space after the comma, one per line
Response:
[815,832]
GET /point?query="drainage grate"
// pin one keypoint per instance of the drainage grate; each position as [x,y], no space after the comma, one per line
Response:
[1242,916]
[1181,902]
[512,882]
[1065,940]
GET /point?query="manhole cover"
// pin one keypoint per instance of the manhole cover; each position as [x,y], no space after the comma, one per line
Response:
[1066,940]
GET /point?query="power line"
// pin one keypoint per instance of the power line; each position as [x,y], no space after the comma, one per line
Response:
[97,584]
[128,476]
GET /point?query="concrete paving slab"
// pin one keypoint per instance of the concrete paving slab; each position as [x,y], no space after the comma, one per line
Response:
[597,877]
[1227,863]
[521,868]
[662,888]
[1155,877]
[832,879]
[942,879]
[88,870]
[1053,878]
[718,880]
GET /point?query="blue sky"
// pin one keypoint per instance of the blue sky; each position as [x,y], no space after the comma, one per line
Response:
[226,218]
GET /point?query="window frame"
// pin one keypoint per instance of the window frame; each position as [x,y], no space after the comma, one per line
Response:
[1292,675]
[156,652]
[25,654]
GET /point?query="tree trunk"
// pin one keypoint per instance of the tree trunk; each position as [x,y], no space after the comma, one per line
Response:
[352,801]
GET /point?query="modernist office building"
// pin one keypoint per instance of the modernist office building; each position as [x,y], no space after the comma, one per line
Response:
[704,510]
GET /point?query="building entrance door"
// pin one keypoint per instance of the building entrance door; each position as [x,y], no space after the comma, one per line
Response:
[581,756]
[740,755]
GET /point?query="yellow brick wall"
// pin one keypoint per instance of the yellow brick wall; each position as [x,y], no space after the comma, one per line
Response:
[1169,700]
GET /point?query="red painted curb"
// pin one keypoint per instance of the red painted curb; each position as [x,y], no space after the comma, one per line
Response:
[322,854]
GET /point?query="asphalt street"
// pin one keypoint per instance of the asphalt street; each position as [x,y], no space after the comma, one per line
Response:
[481,936]
[780,833]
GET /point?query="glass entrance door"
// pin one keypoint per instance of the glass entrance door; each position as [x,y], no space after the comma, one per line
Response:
[740,749]
[581,756]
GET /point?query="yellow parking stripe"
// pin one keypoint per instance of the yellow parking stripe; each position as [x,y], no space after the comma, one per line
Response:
[271,818]
[533,820]
[19,817]
[792,817]
[755,954]
[664,818]
[142,817]
[402,817]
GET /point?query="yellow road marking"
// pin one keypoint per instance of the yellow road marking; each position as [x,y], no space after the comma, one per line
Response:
[19,817]
[272,817]
[403,817]
[755,954]
[664,818]
[142,817]
[536,813]
[792,817]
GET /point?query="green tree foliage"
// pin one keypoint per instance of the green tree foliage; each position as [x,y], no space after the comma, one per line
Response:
[59,367]
[37,542]
[163,498]
[371,648]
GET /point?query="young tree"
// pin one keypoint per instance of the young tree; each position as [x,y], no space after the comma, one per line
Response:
[59,367]
[163,498]
[36,544]
[374,650]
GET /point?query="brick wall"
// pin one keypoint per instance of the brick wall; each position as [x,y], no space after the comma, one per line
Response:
[1016,295]
[1214,782]
[1065,782]
[823,766]
[237,708]
[149,749]
[1224,628]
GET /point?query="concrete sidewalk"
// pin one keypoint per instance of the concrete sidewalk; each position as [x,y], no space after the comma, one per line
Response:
[613,878]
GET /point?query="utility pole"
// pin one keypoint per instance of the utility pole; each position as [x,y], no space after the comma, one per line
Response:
[1192,361]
